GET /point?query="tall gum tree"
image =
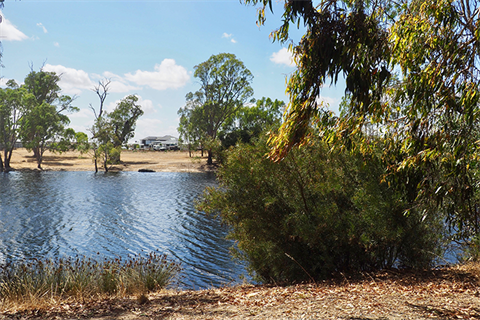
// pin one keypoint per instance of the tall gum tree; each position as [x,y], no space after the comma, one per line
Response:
[46,119]
[411,72]
[224,88]
[123,120]
[14,103]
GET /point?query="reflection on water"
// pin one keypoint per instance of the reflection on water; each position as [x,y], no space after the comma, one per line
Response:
[68,213]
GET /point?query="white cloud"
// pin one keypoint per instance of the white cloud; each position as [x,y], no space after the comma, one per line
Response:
[147,127]
[3,82]
[83,113]
[147,105]
[9,32]
[283,56]
[72,81]
[85,128]
[111,106]
[118,84]
[111,76]
[43,27]
[167,75]
[56,44]
[229,36]
[172,130]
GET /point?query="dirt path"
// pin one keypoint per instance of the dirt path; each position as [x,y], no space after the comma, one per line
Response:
[170,161]
[440,294]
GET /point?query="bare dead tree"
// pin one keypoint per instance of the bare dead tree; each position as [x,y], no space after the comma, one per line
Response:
[102,92]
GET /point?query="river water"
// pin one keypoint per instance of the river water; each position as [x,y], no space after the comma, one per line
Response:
[63,214]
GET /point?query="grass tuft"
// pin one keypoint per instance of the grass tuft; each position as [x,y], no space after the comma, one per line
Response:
[38,282]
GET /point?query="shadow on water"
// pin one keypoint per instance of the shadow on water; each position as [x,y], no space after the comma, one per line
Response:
[51,214]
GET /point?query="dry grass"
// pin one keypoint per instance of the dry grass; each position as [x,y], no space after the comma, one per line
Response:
[40,284]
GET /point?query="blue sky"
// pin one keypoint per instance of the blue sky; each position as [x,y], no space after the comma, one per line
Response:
[147,48]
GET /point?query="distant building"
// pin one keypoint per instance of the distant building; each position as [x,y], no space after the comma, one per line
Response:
[161,143]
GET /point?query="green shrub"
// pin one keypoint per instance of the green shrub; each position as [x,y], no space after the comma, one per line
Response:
[114,155]
[316,213]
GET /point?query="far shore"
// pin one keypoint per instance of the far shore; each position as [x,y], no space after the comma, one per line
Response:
[131,160]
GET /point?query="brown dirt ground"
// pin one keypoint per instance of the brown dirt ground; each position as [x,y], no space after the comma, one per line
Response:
[451,293]
[170,161]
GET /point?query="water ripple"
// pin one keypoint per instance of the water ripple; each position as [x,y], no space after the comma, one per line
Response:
[115,214]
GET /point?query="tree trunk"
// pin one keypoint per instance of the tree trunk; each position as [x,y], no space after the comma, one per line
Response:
[105,160]
[39,156]
[8,154]
[39,162]
[8,157]
[95,158]
[35,152]
[210,157]
[6,163]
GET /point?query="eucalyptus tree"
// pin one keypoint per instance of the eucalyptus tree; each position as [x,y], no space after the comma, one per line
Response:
[14,103]
[103,147]
[123,120]
[412,69]
[224,88]
[436,45]
[251,120]
[190,128]
[45,119]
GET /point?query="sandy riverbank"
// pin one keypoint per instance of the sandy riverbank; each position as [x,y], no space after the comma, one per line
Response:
[158,161]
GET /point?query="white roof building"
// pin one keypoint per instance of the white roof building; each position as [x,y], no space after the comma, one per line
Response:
[168,140]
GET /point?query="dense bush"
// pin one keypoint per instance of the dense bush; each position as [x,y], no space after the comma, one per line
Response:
[316,213]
